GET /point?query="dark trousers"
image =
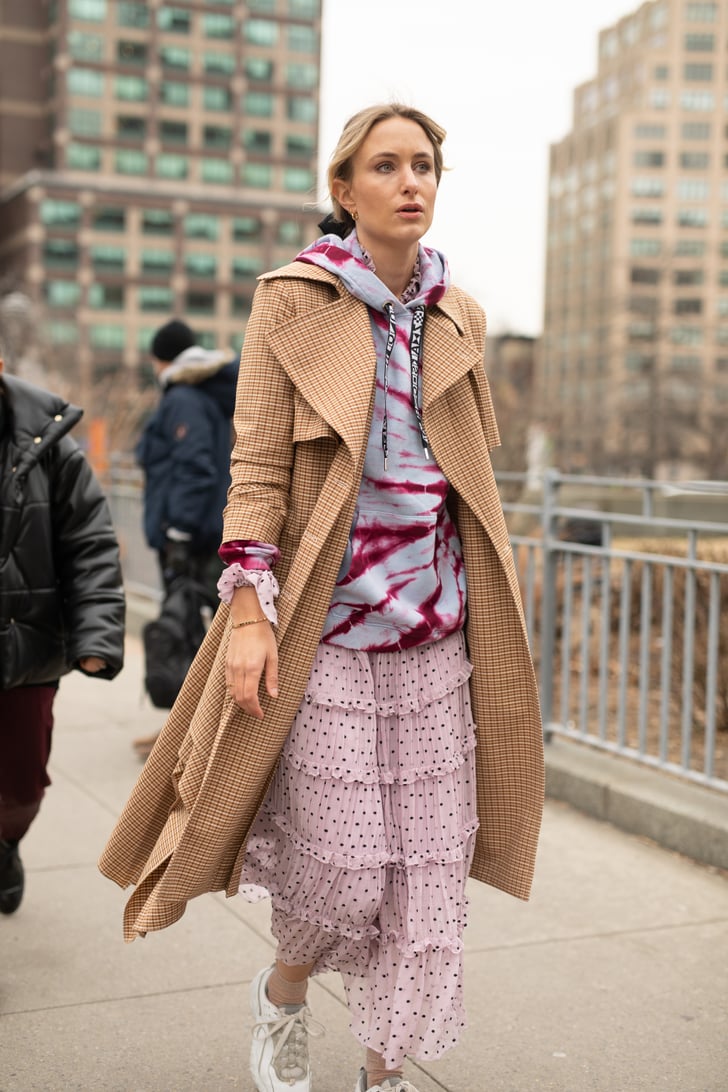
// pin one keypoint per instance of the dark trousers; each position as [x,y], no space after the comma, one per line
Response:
[26,725]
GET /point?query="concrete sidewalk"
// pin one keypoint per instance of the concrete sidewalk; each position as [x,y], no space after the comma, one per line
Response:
[613,979]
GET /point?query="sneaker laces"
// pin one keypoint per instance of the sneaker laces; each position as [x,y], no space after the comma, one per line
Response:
[290,1032]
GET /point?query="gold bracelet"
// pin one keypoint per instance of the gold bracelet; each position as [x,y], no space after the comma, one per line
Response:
[250,622]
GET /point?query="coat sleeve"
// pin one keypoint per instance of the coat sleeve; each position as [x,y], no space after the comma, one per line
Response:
[87,562]
[188,433]
[263,451]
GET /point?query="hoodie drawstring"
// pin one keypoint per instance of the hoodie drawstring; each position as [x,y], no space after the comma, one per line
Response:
[415,352]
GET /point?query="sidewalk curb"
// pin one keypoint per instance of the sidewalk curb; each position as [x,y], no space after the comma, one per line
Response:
[680,816]
[687,818]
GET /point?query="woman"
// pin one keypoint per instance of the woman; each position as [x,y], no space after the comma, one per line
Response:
[344,758]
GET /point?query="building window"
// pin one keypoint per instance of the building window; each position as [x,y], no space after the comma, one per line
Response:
[300,108]
[301,76]
[258,104]
[131,128]
[647,215]
[722,307]
[641,331]
[62,332]
[83,157]
[132,14]
[644,275]
[131,53]
[131,88]
[645,248]
[697,100]
[262,32]
[696,130]
[60,213]
[93,11]
[260,69]
[298,179]
[108,259]
[268,6]
[648,187]
[692,218]
[108,218]
[154,297]
[175,57]
[217,136]
[701,12]
[60,254]
[700,43]
[690,248]
[650,132]
[303,9]
[300,147]
[106,297]
[246,228]
[86,82]
[171,166]
[86,123]
[174,20]
[686,335]
[699,72]
[302,39]
[688,276]
[217,98]
[200,303]
[85,47]
[692,189]
[257,175]
[662,72]
[257,141]
[241,307]
[290,232]
[173,93]
[685,363]
[202,225]
[173,132]
[157,222]
[131,161]
[222,64]
[688,307]
[201,265]
[217,171]
[694,161]
[659,99]
[62,293]
[245,268]
[649,159]
[157,263]
[218,26]
[107,337]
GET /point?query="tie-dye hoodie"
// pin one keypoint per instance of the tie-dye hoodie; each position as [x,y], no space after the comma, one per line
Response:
[402,581]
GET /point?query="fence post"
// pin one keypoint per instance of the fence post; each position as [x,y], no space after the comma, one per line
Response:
[548,598]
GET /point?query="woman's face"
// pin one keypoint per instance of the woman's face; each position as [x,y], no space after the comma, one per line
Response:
[393,185]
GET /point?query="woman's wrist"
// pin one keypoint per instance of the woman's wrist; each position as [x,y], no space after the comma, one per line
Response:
[245,606]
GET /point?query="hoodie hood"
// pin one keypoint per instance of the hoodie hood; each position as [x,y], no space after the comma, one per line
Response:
[355,269]
[212,370]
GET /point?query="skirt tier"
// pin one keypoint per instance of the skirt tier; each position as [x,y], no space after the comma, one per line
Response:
[366,835]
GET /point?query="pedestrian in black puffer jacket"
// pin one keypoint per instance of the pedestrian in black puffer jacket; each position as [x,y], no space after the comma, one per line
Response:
[61,597]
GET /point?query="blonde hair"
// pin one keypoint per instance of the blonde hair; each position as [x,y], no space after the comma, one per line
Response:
[355,132]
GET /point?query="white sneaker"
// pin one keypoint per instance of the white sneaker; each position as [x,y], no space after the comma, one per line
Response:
[392,1084]
[279,1051]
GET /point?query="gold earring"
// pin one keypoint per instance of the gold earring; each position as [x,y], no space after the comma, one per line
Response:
[355,215]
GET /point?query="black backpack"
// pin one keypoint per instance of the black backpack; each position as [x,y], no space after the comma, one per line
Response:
[172,640]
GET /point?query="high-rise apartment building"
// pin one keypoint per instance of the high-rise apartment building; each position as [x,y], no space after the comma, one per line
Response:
[634,360]
[154,158]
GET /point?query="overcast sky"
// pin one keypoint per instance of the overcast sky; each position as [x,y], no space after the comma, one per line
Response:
[499,76]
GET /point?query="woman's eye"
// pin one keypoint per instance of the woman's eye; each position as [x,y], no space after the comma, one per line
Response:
[384,167]
[423,168]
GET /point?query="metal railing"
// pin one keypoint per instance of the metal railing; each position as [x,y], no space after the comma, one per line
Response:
[623,609]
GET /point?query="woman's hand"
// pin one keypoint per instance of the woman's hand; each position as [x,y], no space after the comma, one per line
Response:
[252,651]
[92,664]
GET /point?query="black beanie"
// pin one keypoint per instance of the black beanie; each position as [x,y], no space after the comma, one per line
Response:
[171,339]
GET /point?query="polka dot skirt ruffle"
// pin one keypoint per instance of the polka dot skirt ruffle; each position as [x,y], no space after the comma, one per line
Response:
[365,839]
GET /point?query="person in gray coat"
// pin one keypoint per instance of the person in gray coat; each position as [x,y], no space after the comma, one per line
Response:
[62,603]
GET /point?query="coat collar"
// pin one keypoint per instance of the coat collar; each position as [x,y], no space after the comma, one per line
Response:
[328,354]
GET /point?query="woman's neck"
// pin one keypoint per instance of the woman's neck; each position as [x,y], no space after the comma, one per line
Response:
[394,267]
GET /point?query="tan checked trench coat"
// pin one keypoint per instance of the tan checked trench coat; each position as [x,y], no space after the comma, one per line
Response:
[302,420]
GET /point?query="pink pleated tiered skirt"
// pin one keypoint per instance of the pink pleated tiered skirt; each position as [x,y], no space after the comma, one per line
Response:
[365,839]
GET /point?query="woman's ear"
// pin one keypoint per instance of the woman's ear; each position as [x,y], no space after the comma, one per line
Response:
[341,190]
